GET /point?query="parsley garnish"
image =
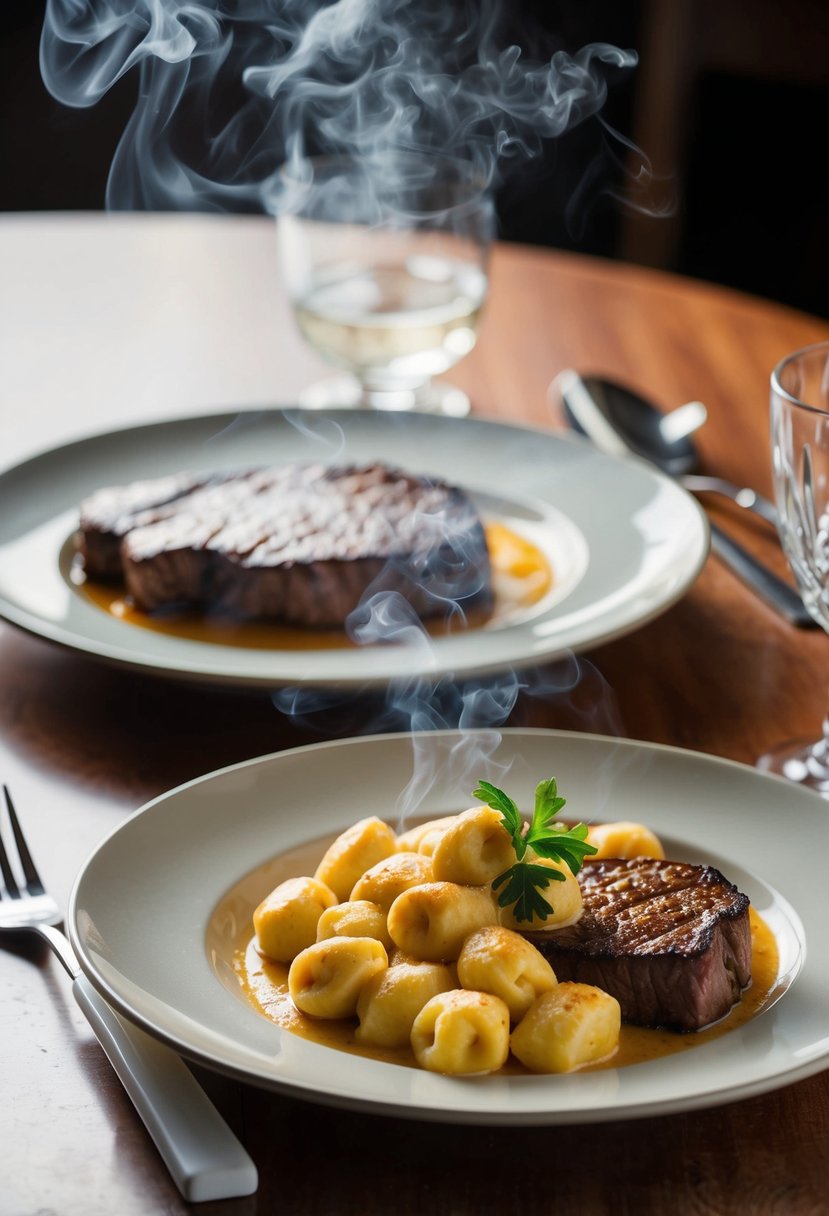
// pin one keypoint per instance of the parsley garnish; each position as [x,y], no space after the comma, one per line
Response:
[524,881]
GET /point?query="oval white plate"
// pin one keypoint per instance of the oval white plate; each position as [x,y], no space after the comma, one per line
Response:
[139,912]
[625,542]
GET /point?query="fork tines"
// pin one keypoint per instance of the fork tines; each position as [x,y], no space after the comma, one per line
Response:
[33,884]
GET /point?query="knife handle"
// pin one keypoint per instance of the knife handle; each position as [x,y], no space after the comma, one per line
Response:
[777,594]
[204,1157]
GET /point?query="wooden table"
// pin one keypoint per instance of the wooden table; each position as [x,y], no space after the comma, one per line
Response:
[107,321]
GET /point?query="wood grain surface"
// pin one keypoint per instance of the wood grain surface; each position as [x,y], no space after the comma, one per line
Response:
[82,744]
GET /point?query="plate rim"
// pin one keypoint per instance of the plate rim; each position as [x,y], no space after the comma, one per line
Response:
[190,668]
[310,1091]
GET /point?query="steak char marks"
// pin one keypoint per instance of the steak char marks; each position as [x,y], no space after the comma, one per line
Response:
[301,544]
[670,941]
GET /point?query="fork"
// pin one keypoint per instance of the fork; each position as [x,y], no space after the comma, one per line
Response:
[203,1155]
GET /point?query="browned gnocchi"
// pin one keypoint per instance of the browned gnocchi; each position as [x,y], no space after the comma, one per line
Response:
[405,935]
[286,920]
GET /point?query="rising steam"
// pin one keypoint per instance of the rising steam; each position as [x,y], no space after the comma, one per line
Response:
[230,91]
[478,705]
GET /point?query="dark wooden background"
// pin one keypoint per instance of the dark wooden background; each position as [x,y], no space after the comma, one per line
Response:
[729,103]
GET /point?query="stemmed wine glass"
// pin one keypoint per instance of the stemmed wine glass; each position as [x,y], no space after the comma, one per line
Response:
[385,264]
[800,456]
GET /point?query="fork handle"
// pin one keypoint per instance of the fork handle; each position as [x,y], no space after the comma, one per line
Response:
[202,1154]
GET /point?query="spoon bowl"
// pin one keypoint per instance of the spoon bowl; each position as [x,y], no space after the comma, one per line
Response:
[626,422]
[621,423]
[663,439]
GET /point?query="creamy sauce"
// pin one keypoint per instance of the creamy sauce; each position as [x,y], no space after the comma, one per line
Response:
[521,577]
[264,984]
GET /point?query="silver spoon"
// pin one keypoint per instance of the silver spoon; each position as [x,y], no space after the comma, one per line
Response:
[633,424]
[622,424]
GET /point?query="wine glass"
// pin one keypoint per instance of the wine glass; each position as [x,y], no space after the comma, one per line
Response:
[385,264]
[800,456]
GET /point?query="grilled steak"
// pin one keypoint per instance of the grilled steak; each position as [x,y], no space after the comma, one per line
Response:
[109,514]
[303,544]
[670,941]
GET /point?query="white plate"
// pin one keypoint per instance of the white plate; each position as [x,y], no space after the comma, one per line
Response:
[140,910]
[625,542]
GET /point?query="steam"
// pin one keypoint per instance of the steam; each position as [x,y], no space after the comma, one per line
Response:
[571,686]
[571,689]
[229,92]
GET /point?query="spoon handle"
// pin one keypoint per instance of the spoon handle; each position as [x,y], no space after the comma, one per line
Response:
[749,499]
[777,594]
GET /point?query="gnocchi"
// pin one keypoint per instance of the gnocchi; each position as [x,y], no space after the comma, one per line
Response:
[462,1032]
[389,878]
[353,852]
[571,1026]
[474,850]
[286,921]
[502,962]
[424,836]
[407,936]
[391,1000]
[354,918]
[325,980]
[624,839]
[432,921]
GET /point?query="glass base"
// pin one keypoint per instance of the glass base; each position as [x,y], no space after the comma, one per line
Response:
[347,392]
[802,761]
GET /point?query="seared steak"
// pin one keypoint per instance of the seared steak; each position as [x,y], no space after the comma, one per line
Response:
[303,544]
[109,514]
[670,941]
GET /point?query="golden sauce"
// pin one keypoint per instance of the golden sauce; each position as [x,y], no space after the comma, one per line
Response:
[264,984]
[521,577]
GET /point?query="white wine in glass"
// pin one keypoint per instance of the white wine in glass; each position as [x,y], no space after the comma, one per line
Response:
[386,270]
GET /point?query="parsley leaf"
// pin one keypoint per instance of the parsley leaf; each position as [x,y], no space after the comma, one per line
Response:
[567,845]
[547,803]
[554,840]
[524,881]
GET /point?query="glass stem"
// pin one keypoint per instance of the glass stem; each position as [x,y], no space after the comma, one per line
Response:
[819,760]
